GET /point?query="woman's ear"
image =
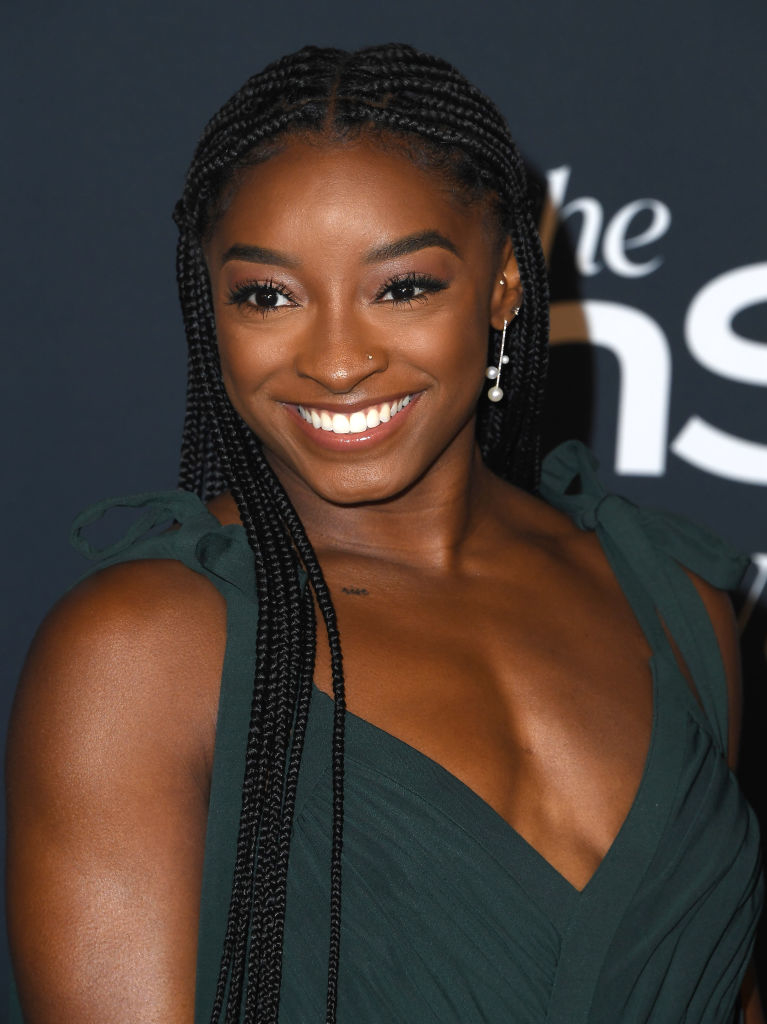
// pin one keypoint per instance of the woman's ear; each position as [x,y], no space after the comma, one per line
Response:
[506,295]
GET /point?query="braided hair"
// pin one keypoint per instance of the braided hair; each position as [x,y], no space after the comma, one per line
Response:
[443,123]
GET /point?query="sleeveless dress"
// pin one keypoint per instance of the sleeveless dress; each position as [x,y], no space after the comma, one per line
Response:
[449,916]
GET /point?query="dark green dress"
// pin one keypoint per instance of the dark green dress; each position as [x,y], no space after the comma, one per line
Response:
[449,915]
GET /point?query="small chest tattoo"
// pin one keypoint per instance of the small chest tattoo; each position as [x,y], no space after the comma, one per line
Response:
[358,591]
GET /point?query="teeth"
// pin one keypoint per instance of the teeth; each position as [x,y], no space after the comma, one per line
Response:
[356,422]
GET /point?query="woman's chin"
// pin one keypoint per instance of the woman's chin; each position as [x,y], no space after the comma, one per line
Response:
[350,490]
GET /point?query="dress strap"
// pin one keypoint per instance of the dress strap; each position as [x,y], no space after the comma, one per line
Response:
[196,538]
[656,546]
[160,507]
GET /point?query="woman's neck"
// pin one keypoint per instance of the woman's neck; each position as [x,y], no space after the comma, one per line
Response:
[431,524]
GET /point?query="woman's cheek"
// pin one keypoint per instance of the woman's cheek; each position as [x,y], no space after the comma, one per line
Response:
[246,360]
[242,375]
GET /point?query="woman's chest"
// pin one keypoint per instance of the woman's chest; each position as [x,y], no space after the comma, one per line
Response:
[492,929]
[539,704]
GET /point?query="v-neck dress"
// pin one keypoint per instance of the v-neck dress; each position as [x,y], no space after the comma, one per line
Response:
[449,916]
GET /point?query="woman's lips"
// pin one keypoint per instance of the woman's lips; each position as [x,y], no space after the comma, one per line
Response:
[331,428]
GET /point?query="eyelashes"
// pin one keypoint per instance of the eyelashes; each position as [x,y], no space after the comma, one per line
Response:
[265,296]
[405,289]
[261,296]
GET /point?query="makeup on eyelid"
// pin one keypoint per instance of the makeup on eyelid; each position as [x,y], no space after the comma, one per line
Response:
[406,288]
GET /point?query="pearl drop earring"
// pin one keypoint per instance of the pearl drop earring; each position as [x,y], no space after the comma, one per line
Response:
[495,393]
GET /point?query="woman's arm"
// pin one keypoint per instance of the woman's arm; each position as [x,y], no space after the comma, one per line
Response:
[108,771]
[719,608]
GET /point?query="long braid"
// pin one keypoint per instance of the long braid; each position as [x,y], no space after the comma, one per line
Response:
[444,123]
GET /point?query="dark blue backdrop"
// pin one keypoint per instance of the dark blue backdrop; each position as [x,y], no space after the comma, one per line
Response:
[646,122]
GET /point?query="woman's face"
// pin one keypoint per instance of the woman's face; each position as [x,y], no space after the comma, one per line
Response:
[352,295]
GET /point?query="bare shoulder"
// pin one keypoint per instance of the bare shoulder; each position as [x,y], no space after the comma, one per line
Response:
[109,758]
[124,670]
[136,640]
[136,650]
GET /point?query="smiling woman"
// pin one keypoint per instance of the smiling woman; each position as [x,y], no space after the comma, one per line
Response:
[510,798]
[350,313]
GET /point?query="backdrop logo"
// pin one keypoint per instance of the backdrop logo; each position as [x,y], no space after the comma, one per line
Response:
[617,245]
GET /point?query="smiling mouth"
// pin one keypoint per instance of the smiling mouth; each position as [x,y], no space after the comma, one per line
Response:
[356,422]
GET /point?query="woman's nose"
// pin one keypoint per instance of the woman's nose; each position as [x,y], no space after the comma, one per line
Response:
[339,357]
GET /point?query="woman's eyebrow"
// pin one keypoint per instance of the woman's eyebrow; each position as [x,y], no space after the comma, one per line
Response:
[257,254]
[408,244]
[387,251]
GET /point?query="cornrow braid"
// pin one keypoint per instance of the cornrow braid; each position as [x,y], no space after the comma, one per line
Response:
[443,123]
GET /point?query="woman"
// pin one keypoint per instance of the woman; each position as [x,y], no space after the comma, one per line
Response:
[510,800]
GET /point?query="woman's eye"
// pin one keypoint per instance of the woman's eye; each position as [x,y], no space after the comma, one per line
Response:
[262,297]
[404,291]
[267,298]
[408,289]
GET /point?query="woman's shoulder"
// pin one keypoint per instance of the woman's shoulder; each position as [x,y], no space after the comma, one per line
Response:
[147,596]
[140,639]
[133,650]
[684,568]
[570,483]
[143,600]
[174,529]
[109,761]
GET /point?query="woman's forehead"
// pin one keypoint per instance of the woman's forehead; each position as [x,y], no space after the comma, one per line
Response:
[339,187]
